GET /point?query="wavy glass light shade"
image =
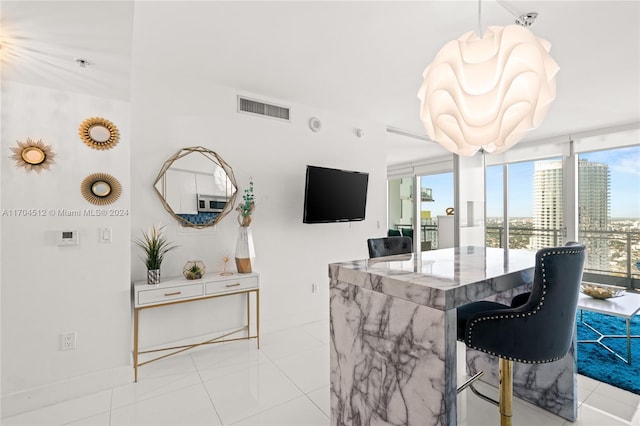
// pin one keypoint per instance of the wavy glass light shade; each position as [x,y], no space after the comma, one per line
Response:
[487,93]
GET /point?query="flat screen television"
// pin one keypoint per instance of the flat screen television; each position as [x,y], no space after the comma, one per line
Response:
[333,195]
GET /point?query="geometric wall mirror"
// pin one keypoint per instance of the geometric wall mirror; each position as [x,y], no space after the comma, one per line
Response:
[197,187]
[100,189]
[33,155]
[99,133]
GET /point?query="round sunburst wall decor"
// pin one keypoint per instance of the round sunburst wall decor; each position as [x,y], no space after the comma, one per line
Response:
[33,155]
[100,189]
[99,133]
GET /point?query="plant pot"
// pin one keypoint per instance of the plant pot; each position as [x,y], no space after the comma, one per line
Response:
[194,269]
[153,276]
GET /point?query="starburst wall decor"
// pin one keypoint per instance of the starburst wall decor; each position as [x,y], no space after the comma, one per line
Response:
[33,155]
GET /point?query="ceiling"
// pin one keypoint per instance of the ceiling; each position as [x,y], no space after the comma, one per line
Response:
[361,58]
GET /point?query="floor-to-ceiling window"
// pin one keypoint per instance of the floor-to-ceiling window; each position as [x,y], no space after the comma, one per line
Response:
[609,213]
[534,212]
[400,205]
[436,196]
[439,188]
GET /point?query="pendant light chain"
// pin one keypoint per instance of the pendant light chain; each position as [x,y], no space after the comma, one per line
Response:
[480,18]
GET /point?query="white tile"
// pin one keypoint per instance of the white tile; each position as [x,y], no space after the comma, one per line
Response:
[318,330]
[298,412]
[102,419]
[228,358]
[590,416]
[236,382]
[169,366]
[152,387]
[621,408]
[322,398]
[287,342]
[307,370]
[250,391]
[188,406]
[587,382]
[473,411]
[64,412]
[617,394]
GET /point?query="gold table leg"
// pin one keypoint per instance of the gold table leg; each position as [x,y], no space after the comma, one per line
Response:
[136,312]
[135,345]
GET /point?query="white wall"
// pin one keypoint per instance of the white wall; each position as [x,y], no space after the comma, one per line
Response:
[290,255]
[48,290]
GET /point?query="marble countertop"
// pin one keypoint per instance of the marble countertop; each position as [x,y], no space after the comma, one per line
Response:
[442,279]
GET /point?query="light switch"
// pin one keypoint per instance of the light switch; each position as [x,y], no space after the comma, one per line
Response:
[105,235]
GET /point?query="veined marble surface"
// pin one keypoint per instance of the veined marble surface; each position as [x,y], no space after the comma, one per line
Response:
[393,334]
[441,279]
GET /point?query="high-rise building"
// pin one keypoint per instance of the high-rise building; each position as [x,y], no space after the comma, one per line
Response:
[593,211]
[547,204]
[593,207]
[593,195]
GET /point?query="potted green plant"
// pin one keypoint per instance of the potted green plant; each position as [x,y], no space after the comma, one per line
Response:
[246,207]
[155,247]
[193,269]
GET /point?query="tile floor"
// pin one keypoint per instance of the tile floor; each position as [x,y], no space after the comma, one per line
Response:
[286,382]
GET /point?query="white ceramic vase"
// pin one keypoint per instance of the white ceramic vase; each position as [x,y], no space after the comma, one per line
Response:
[245,252]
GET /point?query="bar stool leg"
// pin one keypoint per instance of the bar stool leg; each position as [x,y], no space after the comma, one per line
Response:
[506,391]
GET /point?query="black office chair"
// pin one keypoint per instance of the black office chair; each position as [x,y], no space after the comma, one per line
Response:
[388,246]
[536,330]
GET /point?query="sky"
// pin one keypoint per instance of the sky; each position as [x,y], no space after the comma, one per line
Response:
[624,168]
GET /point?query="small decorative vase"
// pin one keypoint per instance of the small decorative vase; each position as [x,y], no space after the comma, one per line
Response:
[194,269]
[244,220]
[153,276]
[245,252]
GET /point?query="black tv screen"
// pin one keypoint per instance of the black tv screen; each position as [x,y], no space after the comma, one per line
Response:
[333,195]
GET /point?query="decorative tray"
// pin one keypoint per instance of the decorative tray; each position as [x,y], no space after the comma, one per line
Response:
[600,291]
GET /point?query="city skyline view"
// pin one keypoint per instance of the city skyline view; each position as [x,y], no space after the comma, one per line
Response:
[624,168]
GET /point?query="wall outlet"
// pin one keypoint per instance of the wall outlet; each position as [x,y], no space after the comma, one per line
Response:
[314,287]
[68,341]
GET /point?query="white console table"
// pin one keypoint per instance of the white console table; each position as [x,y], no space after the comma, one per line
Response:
[179,290]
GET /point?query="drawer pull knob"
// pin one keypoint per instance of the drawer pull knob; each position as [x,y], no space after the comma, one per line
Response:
[175,293]
[233,285]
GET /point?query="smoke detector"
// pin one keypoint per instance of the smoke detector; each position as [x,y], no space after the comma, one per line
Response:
[315,124]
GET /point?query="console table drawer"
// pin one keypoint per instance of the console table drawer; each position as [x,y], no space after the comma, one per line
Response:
[168,294]
[231,285]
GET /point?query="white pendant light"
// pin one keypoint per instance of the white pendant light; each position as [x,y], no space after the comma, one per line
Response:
[487,92]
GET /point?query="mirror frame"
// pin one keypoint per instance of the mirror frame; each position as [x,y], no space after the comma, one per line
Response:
[21,157]
[215,159]
[87,189]
[85,133]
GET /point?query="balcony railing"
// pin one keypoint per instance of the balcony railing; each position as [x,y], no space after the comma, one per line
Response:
[613,257]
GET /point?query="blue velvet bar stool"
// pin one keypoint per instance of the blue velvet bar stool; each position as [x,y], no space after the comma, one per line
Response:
[536,330]
[389,246]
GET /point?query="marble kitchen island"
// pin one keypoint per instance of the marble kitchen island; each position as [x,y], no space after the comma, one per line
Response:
[393,336]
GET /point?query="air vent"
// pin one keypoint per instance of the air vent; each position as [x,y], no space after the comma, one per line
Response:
[261,108]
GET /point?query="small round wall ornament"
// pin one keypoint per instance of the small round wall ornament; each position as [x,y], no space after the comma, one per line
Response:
[99,133]
[33,155]
[100,189]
